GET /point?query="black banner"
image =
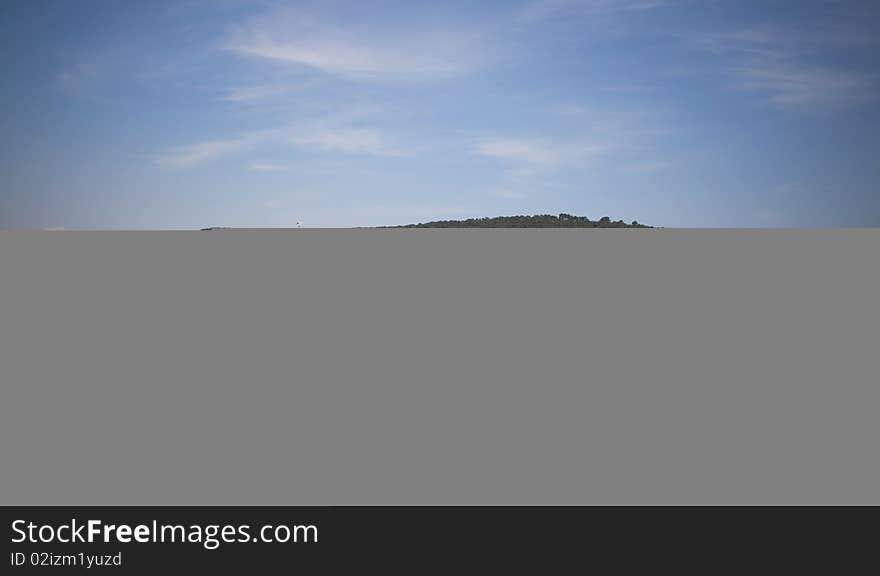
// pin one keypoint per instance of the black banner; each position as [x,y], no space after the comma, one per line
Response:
[150,539]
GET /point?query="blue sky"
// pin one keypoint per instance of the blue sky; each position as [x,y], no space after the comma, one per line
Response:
[187,114]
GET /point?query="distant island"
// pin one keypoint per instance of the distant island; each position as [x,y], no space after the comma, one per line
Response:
[537,221]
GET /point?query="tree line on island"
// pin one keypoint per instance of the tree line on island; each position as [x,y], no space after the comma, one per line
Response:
[537,221]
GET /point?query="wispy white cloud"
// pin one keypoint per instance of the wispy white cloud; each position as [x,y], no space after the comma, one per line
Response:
[535,152]
[199,152]
[312,136]
[783,65]
[347,140]
[259,92]
[569,110]
[625,138]
[536,10]
[794,84]
[270,167]
[291,37]
[517,150]
[529,164]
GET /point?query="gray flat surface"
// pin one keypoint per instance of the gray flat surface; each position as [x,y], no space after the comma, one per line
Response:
[364,367]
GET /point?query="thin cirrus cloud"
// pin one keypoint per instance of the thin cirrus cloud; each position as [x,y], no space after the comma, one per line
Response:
[535,152]
[361,141]
[254,93]
[781,65]
[348,140]
[270,167]
[537,10]
[527,161]
[201,152]
[789,84]
[288,37]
